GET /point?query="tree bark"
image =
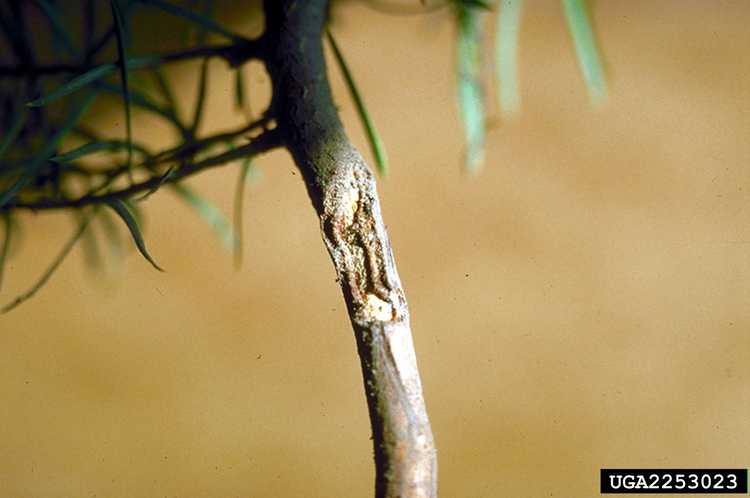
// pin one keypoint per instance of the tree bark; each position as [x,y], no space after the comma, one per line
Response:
[343,193]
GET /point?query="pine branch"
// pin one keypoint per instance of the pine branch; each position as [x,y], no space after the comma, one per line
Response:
[343,192]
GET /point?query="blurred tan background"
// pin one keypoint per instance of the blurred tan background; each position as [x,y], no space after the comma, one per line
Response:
[583,303]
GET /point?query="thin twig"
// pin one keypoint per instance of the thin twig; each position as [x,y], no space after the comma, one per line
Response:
[184,151]
[234,53]
[265,142]
[177,154]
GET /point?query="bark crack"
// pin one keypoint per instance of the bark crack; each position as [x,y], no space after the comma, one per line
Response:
[349,226]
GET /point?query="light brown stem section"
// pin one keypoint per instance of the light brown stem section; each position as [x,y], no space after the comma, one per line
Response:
[357,241]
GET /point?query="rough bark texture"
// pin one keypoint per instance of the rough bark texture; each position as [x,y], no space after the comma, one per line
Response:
[342,189]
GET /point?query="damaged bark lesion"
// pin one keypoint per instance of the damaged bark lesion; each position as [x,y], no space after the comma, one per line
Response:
[356,238]
[350,232]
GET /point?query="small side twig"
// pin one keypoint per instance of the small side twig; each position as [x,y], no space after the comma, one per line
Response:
[265,142]
[235,54]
